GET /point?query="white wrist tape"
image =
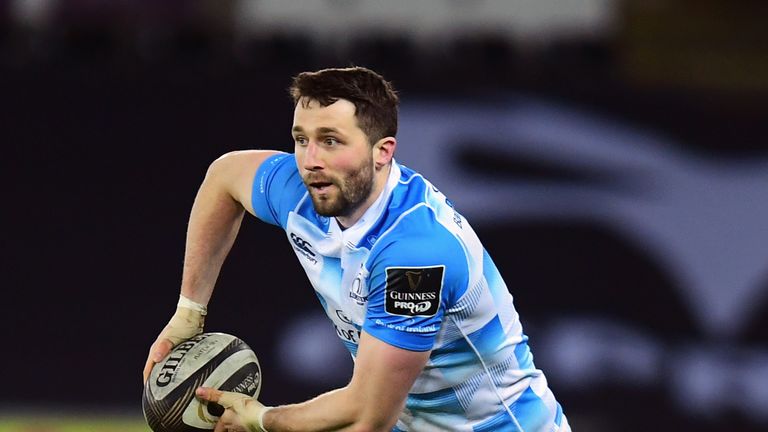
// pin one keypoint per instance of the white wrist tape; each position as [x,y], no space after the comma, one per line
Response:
[191,304]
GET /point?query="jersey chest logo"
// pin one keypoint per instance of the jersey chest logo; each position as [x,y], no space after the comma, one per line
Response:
[358,292]
[414,291]
[304,248]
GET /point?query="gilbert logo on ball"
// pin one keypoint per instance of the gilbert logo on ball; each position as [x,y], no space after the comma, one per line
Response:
[215,360]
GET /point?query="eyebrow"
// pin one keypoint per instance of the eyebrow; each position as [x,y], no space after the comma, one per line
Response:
[320,130]
[327,130]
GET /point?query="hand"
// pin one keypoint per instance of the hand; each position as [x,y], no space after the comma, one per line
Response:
[184,324]
[242,412]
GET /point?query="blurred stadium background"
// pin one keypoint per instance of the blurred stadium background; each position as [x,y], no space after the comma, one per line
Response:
[611,154]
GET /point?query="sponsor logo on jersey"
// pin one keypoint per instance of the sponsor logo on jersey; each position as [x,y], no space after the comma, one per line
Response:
[349,333]
[358,292]
[413,291]
[304,248]
[414,279]
[342,316]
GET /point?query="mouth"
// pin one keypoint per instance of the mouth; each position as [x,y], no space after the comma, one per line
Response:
[320,187]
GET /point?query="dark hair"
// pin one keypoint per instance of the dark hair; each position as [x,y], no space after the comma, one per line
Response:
[374,98]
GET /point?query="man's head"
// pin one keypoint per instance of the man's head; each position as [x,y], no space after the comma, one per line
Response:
[344,128]
[374,98]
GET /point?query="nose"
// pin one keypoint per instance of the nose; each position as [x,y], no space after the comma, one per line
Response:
[312,158]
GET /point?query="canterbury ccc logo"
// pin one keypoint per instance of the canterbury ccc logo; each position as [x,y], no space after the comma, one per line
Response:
[302,244]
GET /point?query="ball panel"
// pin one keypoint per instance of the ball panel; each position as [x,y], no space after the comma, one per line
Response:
[166,415]
[246,379]
[239,372]
[152,409]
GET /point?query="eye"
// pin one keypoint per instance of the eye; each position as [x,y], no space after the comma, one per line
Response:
[300,140]
[331,141]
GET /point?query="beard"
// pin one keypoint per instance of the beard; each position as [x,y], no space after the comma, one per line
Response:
[350,192]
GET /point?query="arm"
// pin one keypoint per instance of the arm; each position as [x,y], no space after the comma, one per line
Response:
[373,399]
[215,219]
[371,402]
[213,225]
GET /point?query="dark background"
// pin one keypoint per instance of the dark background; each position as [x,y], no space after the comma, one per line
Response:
[107,129]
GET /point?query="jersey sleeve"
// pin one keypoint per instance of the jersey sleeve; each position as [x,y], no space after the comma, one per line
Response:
[277,187]
[413,280]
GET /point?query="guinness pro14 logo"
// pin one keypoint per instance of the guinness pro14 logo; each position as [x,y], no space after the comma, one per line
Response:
[414,291]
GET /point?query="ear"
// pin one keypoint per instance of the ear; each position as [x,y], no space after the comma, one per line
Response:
[384,151]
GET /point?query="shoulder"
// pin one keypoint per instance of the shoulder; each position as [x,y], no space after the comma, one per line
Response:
[275,188]
[419,231]
[418,255]
[276,164]
[418,237]
[416,219]
[244,160]
[235,171]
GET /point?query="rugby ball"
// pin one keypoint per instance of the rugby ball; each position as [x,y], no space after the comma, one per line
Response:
[215,360]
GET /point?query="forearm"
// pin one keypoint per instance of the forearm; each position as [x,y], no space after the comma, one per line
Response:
[213,226]
[371,402]
[337,410]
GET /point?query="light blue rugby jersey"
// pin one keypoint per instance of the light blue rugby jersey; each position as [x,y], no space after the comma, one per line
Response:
[412,273]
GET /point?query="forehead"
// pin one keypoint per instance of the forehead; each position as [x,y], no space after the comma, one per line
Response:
[312,115]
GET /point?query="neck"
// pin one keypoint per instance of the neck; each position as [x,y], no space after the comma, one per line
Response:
[379,182]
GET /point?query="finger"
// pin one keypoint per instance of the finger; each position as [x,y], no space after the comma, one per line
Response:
[221,426]
[149,364]
[210,394]
[229,418]
[161,349]
[157,352]
[147,369]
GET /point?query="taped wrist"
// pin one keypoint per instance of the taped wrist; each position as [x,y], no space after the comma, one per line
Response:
[250,410]
[188,303]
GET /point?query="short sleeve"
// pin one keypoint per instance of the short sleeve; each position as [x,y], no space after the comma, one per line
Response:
[412,280]
[277,187]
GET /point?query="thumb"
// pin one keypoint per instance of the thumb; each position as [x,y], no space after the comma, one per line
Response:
[234,401]
[229,400]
